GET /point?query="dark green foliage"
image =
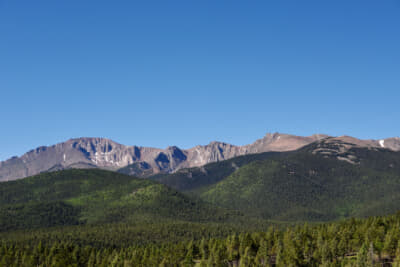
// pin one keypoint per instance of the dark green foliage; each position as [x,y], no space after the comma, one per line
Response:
[142,232]
[302,245]
[66,184]
[199,178]
[306,186]
[95,196]
[101,218]
[34,215]
[299,185]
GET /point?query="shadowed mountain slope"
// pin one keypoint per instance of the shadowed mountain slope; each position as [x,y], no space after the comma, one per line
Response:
[329,179]
[326,180]
[95,196]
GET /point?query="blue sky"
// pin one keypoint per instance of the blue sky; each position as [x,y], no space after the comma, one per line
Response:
[159,73]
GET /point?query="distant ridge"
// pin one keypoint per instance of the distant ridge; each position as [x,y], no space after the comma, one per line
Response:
[88,152]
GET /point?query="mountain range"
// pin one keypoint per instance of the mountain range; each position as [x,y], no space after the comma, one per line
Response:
[325,180]
[147,161]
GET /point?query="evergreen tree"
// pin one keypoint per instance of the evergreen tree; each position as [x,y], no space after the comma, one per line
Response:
[396,262]
[233,248]
[204,251]
[363,257]
[262,258]
[189,258]
[246,259]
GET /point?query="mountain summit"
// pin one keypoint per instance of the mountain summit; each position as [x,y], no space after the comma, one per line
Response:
[143,161]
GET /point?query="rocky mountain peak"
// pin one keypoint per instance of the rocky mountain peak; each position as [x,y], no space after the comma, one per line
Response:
[95,152]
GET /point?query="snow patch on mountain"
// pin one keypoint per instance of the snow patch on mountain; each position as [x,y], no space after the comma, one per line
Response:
[382,143]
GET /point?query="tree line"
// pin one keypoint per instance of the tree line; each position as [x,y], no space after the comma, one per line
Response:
[355,242]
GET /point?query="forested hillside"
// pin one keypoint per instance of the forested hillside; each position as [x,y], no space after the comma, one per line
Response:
[246,211]
[93,196]
[193,180]
[313,186]
[355,242]
[326,180]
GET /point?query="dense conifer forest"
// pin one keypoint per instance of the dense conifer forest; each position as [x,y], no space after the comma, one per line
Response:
[101,218]
[354,242]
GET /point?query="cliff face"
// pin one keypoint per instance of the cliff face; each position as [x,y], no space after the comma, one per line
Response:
[107,154]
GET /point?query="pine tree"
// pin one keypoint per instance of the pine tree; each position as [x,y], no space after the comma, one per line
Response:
[188,261]
[233,248]
[280,257]
[262,258]
[245,242]
[92,260]
[396,262]
[246,259]
[390,242]
[363,257]
[204,251]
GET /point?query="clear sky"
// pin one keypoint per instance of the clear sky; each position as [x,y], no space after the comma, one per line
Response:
[159,73]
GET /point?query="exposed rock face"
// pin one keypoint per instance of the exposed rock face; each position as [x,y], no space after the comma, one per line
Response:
[389,143]
[281,142]
[217,151]
[107,154]
[341,147]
